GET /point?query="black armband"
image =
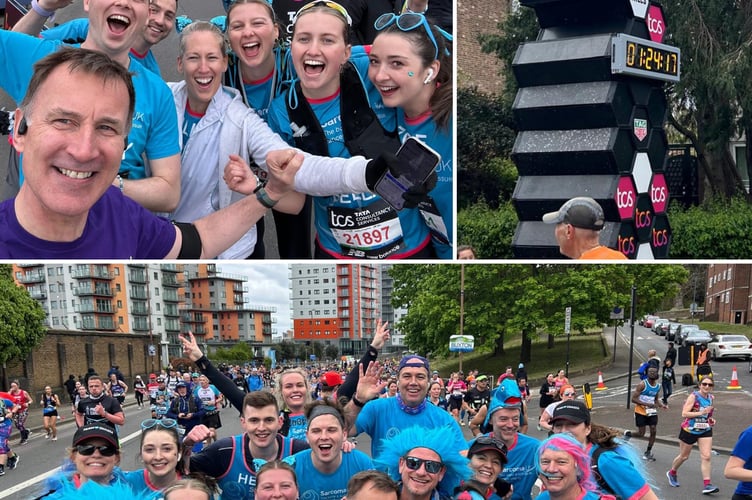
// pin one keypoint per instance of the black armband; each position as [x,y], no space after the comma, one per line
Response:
[191,247]
[357,402]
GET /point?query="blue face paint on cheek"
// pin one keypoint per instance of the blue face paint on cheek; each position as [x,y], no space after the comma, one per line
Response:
[410,74]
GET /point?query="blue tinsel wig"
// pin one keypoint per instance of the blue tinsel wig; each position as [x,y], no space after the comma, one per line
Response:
[439,440]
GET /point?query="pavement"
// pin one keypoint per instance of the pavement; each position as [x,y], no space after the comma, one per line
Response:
[728,403]
[732,407]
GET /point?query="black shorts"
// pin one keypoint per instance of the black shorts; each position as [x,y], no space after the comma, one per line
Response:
[51,414]
[645,420]
[689,438]
[211,419]
[455,404]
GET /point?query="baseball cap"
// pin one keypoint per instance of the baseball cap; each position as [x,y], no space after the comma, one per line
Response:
[96,430]
[160,379]
[481,378]
[488,443]
[571,411]
[415,361]
[194,375]
[180,384]
[151,375]
[331,379]
[582,212]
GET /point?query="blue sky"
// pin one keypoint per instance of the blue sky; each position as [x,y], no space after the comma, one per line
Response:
[268,285]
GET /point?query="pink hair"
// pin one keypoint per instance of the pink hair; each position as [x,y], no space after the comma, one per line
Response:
[568,443]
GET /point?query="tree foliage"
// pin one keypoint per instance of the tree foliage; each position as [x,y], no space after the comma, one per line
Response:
[21,319]
[502,301]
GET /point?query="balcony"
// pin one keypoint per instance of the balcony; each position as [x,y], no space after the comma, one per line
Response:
[137,276]
[97,323]
[97,290]
[94,271]
[171,310]
[138,293]
[139,309]
[38,294]
[171,267]
[105,308]
[140,325]
[29,265]
[240,299]
[32,277]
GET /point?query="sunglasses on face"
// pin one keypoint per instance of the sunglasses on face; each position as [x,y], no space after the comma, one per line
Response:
[88,449]
[408,22]
[166,423]
[707,384]
[569,393]
[432,466]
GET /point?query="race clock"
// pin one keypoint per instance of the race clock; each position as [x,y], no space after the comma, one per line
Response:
[631,55]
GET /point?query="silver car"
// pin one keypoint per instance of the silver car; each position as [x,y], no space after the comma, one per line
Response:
[730,346]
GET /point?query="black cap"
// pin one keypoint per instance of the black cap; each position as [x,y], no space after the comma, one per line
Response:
[96,430]
[571,411]
[488,443]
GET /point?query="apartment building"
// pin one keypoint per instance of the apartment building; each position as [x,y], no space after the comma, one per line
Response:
[728,298]
[159,300]
[336,304]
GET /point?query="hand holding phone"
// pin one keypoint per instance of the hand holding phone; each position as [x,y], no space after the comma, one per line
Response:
[407,181]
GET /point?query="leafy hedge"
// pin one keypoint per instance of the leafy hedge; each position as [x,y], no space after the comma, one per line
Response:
[718,229]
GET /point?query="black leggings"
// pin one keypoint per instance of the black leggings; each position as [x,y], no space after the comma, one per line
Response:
[139,398]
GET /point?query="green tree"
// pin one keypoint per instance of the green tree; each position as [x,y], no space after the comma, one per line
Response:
[21,320]
[508,300]
[331,351]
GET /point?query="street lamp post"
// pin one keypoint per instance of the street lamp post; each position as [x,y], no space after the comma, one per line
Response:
[631,345]
[462,305]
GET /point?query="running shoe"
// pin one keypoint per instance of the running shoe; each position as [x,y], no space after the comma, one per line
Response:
[2,470]
[23,442]
[55,439]
[13,462]
[627,435]
[648,456]
[673,480]
[710,488]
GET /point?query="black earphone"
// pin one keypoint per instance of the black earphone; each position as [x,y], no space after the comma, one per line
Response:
[22,126]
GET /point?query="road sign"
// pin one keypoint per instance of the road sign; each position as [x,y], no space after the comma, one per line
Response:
[461,343]
[617,313]
[152,350]
[639,8]
[567,319]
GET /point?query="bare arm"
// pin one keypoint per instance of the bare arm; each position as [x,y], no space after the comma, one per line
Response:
[478,420]
[32,22]
[161,191]
[369,387]
[238,173]
[735,470]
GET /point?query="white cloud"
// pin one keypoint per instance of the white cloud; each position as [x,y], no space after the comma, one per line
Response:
[268,285]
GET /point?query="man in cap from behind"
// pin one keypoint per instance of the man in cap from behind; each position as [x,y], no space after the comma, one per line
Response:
[578,225]
[504,412]
[385,417]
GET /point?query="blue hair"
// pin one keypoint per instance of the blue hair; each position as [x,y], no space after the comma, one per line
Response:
[440,440]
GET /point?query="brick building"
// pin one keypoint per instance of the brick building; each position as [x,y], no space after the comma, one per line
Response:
[728,297]
[474,68]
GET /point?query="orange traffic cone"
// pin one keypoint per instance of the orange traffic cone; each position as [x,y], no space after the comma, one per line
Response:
[734,381]
[601,385]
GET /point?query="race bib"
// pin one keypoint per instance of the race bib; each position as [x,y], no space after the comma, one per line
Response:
[701,426]
[369,232]
[651,411]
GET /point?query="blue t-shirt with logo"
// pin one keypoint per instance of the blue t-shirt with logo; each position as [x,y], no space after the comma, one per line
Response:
[317,485]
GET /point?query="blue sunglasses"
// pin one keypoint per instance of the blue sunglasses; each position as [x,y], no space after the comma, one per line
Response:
[408,22]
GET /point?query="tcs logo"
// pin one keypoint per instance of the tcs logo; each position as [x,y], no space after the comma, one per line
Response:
[660,237]
[339,220]
[643,218]
[627,246]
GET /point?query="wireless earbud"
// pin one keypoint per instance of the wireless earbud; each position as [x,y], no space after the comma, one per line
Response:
[428,77]
[22,127]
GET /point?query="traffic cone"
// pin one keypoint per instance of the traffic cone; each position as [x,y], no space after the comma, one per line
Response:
[734,381]
[601,385]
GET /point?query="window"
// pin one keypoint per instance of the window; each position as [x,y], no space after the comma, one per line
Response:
[156,292]
[120,304]
[156,276]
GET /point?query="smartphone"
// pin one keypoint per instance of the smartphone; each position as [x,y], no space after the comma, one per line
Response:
[417,161]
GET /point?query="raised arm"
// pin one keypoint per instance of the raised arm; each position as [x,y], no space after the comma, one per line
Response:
[380,338]
[33,21]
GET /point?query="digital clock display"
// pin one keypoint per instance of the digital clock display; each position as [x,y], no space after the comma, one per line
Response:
[635,56]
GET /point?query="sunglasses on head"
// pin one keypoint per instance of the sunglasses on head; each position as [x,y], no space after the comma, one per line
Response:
[167,423]
[432,466]
[330,5]
[104,450]
[408,22]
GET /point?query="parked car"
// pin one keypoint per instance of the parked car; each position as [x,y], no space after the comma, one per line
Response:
[671,333]
[649,321]
[725,345]
[697,337]
[660,326]
[645,318]
[682,332]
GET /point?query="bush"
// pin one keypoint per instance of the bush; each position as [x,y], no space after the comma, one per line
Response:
[487,230]
[492,182]
[717,229]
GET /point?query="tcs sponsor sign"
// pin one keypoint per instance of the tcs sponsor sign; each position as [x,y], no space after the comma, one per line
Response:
[626,197]
[659,193]
[655,22]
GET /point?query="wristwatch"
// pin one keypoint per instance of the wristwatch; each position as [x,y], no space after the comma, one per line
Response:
[262,196]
